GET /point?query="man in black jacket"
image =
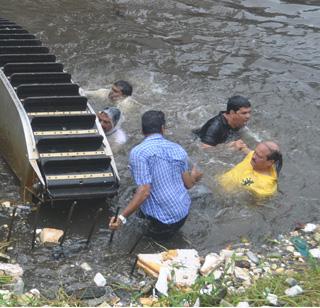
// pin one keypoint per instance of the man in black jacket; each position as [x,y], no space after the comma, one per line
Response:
[226,124]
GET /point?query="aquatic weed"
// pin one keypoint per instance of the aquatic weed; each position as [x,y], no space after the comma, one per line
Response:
[206,289]
[4,279]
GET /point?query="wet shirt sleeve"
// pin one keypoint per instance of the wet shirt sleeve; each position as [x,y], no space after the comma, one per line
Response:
[183,164]
[98,94]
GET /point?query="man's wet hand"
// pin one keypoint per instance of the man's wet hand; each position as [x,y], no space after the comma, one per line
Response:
[196,174]
[115,223]
[239,145]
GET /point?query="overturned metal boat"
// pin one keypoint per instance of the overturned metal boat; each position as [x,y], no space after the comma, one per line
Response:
[49,133]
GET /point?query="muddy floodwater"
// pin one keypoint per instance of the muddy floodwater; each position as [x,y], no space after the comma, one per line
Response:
[186,58]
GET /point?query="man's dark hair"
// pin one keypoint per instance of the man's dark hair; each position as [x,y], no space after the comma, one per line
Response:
[237,102]
[126,87]
[152,122]
[276,156]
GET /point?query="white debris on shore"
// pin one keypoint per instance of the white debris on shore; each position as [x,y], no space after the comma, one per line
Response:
[50,236]
[238,265]
[241,265]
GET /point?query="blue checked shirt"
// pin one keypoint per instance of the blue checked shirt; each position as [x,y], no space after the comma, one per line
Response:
[161,163]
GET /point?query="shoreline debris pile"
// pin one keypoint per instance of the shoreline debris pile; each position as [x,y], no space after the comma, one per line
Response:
[237,268]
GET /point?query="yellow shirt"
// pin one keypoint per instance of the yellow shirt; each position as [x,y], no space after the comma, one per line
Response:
[244,176]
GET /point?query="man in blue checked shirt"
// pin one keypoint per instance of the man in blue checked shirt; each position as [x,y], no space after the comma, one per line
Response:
[160,169]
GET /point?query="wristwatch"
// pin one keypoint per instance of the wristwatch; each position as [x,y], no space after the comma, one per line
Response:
[123,219]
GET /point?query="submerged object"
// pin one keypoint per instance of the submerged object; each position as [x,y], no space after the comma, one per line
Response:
[49,133]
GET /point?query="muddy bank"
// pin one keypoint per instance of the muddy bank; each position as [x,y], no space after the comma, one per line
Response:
[234,268]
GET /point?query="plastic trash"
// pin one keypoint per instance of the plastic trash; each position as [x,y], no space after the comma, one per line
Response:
[272,299]
[34,293]
[253,257]
[309,228]
[197,302]
[99,280]
[50,235]
[300,245]
[212,261]
[315,253]
[184,263]
[294,291]
[291,281]
[162,282]
[85,266]
[18,287]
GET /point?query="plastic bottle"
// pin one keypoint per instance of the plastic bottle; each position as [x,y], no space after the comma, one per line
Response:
[18,287]
[301,245]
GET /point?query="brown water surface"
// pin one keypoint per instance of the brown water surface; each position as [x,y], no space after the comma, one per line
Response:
[186,58]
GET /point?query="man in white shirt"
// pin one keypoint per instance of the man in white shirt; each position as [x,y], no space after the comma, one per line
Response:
[119,95]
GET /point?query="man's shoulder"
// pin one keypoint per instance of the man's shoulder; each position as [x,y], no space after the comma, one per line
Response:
[247,159]
[174,145]
[131,100]
[153,146]
[141,149]
[128,104]
[215,122]
[217,119]
[213,128]
[137,148]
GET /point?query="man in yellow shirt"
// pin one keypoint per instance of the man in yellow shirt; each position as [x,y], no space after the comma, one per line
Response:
[257,173]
